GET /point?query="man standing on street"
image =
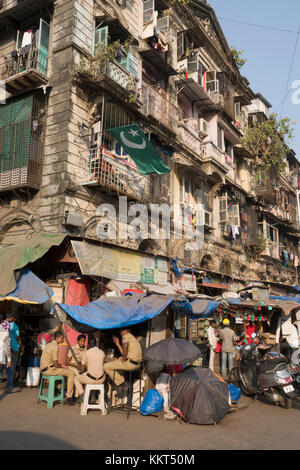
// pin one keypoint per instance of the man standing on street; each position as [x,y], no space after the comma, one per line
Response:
[15,344]
[92,362]
[50,365]
[212,339]
[228,338]
[5,353]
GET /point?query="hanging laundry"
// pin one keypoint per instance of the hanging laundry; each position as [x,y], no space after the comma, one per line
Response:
[235,231]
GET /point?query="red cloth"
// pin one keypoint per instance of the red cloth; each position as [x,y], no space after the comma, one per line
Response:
[176,369]
[72,335]
[249,331]
[46,336]
[78,292]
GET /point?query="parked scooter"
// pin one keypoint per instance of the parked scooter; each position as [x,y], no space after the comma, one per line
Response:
[257,374]
[295,369]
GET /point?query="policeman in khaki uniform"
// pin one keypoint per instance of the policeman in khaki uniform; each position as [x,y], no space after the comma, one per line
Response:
[131,357]
[50,366]
[79,349]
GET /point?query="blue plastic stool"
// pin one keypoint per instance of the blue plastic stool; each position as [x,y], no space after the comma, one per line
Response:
[51,398]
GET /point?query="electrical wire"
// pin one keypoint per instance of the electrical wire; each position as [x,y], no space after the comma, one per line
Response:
[259,26]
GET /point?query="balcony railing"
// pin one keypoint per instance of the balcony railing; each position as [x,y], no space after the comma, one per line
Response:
[188,134]
[158,107]
[272,249]
[212,152]
[24,68]
[115,175]
[95,71]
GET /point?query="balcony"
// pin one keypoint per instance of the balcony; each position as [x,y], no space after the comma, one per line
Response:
[189,136]
[112,174]
[206,100]
[272,250]
[21,143]
[17,11]
[213,155]
[111,76]
[24,69]
[156,106]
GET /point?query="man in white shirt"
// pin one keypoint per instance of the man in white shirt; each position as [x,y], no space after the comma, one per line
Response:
[5,352]
[212,339]
[293,338]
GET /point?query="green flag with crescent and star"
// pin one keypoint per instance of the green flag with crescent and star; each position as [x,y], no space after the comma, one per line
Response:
[140,149]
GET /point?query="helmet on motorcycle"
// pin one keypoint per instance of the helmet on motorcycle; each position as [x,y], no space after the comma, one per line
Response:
[226,322]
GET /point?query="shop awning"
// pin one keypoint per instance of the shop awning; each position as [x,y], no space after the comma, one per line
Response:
[117,312]
[30,289]
[199,308]
[18,256]
[287,306]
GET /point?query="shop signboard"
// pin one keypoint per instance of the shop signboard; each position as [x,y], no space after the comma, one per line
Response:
[216,283]
[119,264]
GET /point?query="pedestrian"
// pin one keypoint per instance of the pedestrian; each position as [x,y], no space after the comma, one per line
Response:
[5,353]
[228,338]
[50,365]
[92,363]
[212,340]
[15,343]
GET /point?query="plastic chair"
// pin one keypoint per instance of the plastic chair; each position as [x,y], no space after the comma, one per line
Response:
[50,398]
[98,406]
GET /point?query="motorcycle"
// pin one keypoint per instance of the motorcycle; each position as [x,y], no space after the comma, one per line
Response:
[259,372]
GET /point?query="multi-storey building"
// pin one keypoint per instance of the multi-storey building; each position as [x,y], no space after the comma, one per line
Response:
[72,70]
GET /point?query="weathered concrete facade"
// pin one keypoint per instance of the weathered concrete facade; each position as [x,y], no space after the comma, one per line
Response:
[178,81]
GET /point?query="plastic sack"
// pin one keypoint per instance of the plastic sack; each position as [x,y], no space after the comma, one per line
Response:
[235,392]
[152,403]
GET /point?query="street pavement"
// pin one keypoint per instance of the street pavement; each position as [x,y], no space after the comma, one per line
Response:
[24,424]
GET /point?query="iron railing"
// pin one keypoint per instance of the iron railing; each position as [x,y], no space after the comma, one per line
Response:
[155,105]
[23,60]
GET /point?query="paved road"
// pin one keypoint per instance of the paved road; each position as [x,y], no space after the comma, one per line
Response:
[26,425]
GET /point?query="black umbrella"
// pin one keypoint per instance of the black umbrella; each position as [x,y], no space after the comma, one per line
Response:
[199,396]
[172,351]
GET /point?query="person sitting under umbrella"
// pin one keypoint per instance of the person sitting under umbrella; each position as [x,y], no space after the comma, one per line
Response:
[130,360]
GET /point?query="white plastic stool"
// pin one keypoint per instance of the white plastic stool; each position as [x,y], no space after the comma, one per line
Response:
[98,406]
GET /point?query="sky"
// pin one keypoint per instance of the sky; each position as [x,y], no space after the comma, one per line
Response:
[269,53]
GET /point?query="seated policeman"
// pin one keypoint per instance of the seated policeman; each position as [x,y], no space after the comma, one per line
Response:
[50,366]
[131,357]
[79,350]
[92,362]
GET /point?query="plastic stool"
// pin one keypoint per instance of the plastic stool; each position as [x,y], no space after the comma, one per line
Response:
[87,406]
[51,398]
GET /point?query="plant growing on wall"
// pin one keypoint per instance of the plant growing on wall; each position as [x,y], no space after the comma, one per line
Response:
[237,57]
[90,66]
[179,2]
[266,142]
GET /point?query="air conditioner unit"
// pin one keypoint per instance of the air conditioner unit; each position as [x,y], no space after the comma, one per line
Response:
[163,24]
[73,219]
[207,218]
[203,127]
[182,65]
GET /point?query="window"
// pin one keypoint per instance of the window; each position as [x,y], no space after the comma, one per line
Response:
[229,212]
[220,142]
[148,11]
[237,111]
[100,38]
[211,82]
[272,233]
[184,46]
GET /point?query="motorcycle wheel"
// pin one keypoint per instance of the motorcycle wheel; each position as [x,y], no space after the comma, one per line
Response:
[287,403]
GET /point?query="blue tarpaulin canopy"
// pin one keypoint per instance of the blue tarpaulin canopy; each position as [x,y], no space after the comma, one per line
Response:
[30,289]
[199,308]
[118,312]
[287,298]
